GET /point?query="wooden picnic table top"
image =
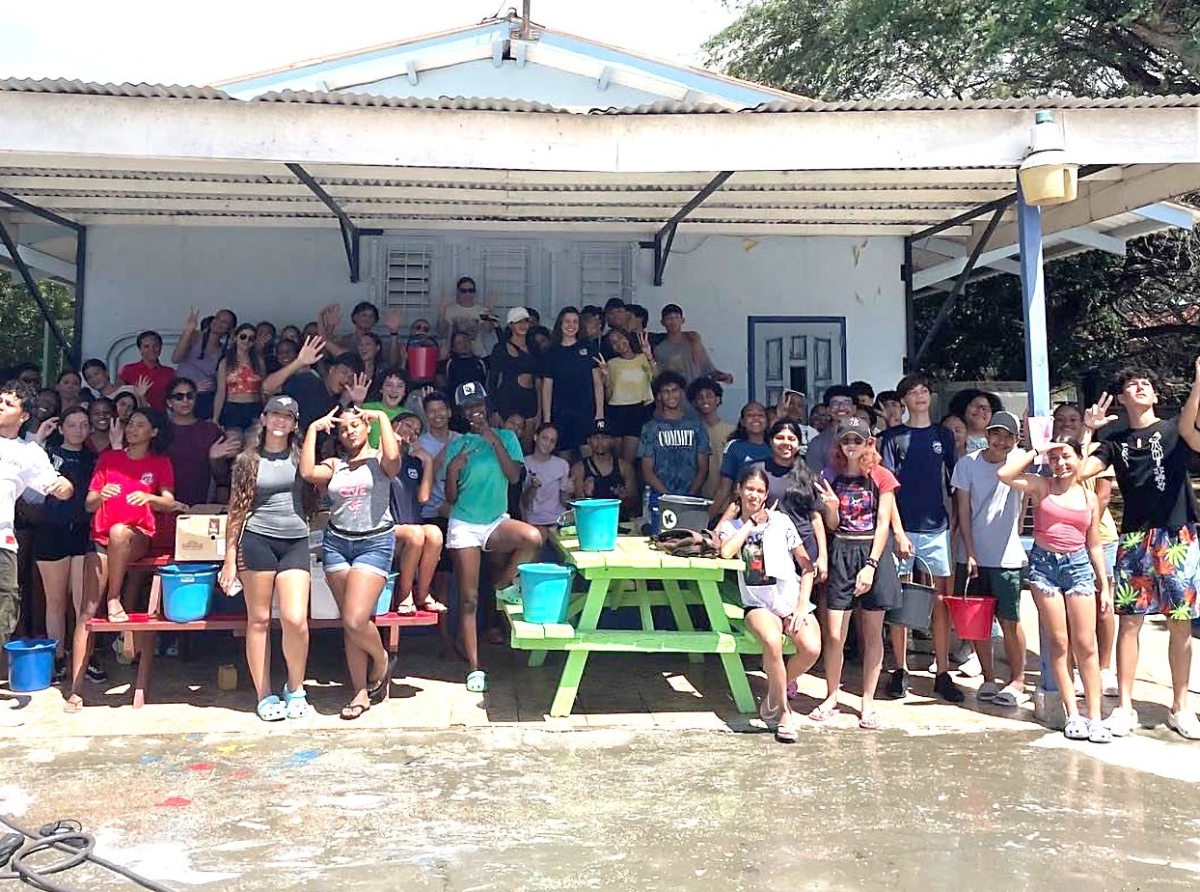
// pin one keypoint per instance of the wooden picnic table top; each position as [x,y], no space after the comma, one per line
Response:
[634,553]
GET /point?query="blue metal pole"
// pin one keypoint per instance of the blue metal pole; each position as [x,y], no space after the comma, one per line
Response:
[1037,373]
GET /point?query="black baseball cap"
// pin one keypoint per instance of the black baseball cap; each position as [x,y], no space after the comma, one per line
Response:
[469,392]
[853,425]
[600,429]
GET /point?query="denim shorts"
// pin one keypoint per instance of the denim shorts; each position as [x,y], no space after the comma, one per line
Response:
[933,550]
[371,554]
[1110,558]
[1058,574]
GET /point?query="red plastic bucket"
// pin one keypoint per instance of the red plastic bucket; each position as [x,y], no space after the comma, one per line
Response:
[972,617]
[422,362]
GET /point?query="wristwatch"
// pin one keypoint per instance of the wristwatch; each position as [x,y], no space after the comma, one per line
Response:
[873,563]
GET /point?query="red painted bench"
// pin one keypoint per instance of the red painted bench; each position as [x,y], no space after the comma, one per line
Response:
[140,632]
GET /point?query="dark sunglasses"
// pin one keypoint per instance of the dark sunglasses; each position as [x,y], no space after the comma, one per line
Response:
[421,329]
[245,336]
[853,441]
[466,290]
[180,397]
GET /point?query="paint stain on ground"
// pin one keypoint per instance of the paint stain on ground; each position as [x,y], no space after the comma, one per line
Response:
[201,766]
[174,802]
[303,757]
[149,760]
[240,774]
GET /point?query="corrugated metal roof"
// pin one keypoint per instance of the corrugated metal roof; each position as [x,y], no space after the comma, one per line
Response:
[86,88]
[666,107]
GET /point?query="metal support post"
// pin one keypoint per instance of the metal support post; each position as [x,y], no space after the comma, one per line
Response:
[350,232]
[1047,705]
[32,286]
[80,275]
[665,237]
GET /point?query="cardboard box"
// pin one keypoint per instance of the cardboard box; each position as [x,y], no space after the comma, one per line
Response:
[200,535]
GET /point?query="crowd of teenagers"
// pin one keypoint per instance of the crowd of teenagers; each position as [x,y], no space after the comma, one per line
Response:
[463,466]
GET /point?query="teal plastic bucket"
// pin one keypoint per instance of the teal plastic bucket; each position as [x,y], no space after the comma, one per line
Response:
[545,592]
[187,591]
[596,523]
[384,604]
[30,663]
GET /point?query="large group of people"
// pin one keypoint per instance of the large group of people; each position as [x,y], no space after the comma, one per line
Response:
[461,468]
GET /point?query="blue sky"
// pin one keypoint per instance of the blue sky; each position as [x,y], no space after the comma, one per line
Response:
[198,43]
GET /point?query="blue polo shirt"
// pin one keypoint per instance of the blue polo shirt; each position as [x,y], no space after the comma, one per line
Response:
[922,458]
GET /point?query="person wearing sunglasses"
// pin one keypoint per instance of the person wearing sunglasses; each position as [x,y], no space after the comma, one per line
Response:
[465,315]
[839,400]
[240,382]
[198,448]
[858,500]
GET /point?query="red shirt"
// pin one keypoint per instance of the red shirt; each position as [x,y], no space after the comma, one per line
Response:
[160,377]
[151,473]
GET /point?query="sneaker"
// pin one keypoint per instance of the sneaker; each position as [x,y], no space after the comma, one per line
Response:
[172,649]
[971,667]
[1185,724]
[95,673]
[897,688]
[60,669]
[944,687]
[1123,722]
[987,691]
[964,652]
[1108,683]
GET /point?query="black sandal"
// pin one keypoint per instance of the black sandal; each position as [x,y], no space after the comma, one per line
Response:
[378,691]
[352,711]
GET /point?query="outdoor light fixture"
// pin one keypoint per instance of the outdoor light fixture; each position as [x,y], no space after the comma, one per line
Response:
[1047,175]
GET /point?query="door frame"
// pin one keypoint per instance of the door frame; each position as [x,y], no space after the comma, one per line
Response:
[751,321]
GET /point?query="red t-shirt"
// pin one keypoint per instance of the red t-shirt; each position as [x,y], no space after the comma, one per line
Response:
[858,499]
[160,377]
[151,473]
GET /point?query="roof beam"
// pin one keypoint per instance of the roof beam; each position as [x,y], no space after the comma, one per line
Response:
[23,205]
[316,133]
[1091,238]
[350,232]
[1168,214]
[45,263]
[665,237]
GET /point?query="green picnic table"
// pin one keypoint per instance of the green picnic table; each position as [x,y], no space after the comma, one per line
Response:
[621,578]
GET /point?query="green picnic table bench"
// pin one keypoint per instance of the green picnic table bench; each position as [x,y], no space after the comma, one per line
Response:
[621,578]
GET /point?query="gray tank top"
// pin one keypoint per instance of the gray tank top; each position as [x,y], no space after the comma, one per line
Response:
[278,508]
[360,498]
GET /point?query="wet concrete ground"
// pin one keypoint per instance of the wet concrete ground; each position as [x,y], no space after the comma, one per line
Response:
[522,809]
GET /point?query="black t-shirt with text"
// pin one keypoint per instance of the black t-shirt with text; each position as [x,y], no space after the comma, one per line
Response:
[1151,464]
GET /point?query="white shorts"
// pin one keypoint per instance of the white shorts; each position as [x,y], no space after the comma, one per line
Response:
[460,534]
[933,550]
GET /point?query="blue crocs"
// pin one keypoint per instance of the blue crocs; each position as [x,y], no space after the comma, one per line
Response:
[271,709]
[296,702]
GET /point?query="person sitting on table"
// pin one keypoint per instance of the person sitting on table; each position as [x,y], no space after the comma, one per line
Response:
[478,469]
[547,488]
[359,544]
[604,474]
[129,487]
[418,544]
[777,600]
[267,551]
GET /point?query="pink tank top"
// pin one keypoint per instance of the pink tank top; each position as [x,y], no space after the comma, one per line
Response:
[1059,528]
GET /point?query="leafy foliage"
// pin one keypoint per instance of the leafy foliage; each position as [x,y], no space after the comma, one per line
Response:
[22,323]
[1104,311]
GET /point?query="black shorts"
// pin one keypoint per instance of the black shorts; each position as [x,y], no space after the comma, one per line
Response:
[627,421]
[270,554]
[55,541]
[846,558]
[517,399]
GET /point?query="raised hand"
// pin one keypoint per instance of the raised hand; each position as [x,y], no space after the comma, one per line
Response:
[825,492]
[644,342]
[1097,416]
[142,387]
[193,320]
[602,364]
[393,319]
[225,447]
[116,434]
[325,423]
[313,350]
[357,389]
[45,429]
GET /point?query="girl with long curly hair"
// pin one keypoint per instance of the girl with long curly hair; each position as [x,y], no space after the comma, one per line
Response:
[267,552]
[858,506]
[240,377]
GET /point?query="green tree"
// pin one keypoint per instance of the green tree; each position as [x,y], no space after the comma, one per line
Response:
[23,325]
[1103,310]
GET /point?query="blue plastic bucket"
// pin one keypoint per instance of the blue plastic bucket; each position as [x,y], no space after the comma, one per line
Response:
[30,663]
[187,591]
[545,592]
[596,523]
[384,604]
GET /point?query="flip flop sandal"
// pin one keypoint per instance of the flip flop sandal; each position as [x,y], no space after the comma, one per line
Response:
[477,682]
[869,722]
[352,711]
[432,605]
[296,702]
[271,709]
[379,690]
[406,607]
[786,733]
[72,707]
[820,714]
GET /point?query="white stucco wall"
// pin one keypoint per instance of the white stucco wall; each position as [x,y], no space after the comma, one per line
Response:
[148,277]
